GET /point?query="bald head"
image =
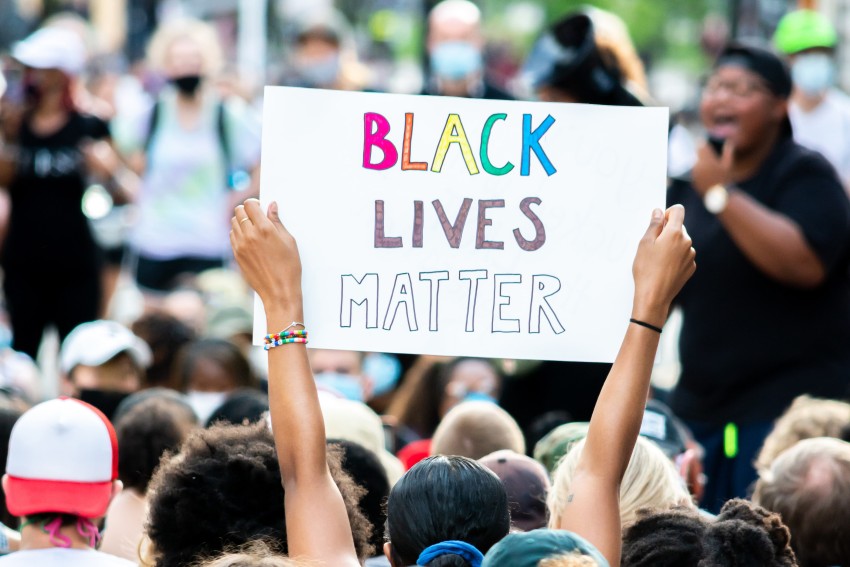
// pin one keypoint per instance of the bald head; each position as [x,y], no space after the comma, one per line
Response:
[475,429]
[454,20]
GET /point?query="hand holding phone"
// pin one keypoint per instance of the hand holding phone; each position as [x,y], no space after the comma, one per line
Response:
[716,144]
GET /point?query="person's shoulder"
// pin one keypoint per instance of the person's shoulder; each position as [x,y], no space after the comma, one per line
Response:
[792,157]
[93,124]
[796,167]
[106,560]
[839,100]
[64,557]
[92,558]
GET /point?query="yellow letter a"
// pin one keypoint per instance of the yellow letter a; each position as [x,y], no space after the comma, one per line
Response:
[453,133]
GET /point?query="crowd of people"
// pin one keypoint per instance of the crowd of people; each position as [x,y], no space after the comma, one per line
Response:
[176,442]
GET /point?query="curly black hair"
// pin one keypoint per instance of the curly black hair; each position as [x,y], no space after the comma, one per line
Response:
[366,470]
[145,433]
[224,489]
[743,535]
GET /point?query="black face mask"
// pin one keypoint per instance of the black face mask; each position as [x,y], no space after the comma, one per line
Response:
[104,400]
[187,85]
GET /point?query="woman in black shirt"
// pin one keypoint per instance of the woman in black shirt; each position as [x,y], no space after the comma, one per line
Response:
[767,315]
[50,260]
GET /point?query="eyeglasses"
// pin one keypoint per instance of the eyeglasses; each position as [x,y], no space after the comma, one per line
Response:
[737,89]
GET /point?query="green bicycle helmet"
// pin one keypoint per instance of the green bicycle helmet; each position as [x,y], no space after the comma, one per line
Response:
[804,29]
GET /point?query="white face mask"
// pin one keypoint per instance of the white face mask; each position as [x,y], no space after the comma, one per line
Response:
[205,403]
[813,73]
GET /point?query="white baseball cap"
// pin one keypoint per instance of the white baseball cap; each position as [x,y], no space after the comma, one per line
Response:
[96,342]
[63,458]
[52,48]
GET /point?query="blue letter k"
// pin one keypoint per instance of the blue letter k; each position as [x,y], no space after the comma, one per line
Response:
[531,142]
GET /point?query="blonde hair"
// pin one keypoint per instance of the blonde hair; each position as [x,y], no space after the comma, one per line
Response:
[806,418]
[651,481]
[613,40]
[253,554]
[475,429]
[809,486]
[200,33]
[574,559]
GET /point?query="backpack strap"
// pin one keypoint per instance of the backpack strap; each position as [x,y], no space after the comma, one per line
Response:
[223,140]
[221,132]
[153,121]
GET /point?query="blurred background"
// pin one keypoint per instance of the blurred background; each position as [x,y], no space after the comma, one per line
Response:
[675,39]
[368,45]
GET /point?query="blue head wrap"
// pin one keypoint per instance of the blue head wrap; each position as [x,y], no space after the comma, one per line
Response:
[460,548]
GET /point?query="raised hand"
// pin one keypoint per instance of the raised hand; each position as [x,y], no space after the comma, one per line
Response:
[665,260]
[663,263]
[317,526]
[267,255]
[711,169]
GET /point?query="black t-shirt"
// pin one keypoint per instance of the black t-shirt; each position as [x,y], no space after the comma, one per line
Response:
[750,344]
[48,232]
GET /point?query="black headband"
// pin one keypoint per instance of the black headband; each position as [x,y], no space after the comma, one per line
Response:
[760,61]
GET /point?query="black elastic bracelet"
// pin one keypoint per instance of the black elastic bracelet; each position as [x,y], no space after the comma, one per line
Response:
[647,325]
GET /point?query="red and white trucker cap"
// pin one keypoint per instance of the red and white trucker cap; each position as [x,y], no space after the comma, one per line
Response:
[63,457]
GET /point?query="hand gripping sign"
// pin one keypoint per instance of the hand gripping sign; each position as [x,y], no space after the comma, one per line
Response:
[450,226]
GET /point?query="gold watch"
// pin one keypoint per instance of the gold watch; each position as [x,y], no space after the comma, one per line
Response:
[716,199]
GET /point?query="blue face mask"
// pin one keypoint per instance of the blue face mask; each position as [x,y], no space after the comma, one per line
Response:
[480,397]
[384,370]
[813,73]
[456,60]
[345,385]
[319,73]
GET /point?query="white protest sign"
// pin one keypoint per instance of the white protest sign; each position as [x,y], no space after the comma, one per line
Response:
[450,226]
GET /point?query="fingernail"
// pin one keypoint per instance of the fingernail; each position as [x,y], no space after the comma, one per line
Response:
[273,207]
[657,214]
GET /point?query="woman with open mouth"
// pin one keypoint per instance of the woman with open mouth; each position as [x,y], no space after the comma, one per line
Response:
[767,316]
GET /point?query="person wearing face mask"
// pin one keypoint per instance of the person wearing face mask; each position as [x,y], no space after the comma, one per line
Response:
[209,371]
[102,363]
[340,373]
[50,260]
[423,400]
[766,317]
[385,372]
[455,48]
[323,55]
[194,151]
[819,112]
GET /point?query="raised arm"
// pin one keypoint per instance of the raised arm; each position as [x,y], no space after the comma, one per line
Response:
[316,520]
[664,262]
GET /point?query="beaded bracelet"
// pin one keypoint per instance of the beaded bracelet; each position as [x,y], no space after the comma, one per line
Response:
[286,336]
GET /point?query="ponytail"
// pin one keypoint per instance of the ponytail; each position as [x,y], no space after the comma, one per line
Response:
[451,554]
